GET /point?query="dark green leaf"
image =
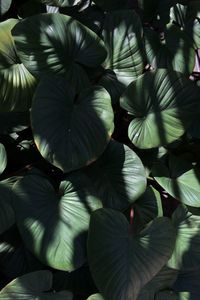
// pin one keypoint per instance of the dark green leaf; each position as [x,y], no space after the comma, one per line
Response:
[7,216]
[118,176]
[69,131]
[122,262]
[147,208]
[58,44]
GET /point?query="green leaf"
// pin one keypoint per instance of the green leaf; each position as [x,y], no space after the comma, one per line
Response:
[4,6]
[179,178]
[3,158]
[186,254]
[147,208]
[121,262]
[17,84]
[187,16]
[163,103]
[70,131]
[110,4]
[122,35]
[53,224]
[60,3]
[120,176]
[174,52]
[15,259]
[7,216]
[55,43]
[171,295]
[164,279]
[96,297]
[33,286]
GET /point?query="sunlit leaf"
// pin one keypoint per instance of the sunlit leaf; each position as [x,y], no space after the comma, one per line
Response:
[53,224]
[163,104]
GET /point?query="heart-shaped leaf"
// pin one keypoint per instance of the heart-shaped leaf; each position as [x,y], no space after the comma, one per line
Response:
[33,286]
[186,254]
[7,216]
[121,176]
[120,261]
[3,158]
[122,35]
[53,224]
[69,132]
[179,178]
[55,43]
[17,84]
[175,51]
[163,103]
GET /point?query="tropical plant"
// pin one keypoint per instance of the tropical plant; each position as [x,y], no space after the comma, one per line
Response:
[99,150]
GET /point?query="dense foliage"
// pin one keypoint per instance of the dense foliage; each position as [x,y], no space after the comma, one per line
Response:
[99,150]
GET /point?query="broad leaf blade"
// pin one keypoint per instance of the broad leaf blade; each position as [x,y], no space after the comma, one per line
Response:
[121,262]
[163,104]
[69,132]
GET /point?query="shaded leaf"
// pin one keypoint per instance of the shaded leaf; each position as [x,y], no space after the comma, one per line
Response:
[70,131]
[120,176]
[122,262]
[58,44]
[175,51]
[7,216]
